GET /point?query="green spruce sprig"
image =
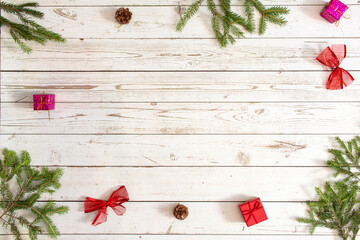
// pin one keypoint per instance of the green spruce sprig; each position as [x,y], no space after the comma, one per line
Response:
[338,204]
[226,23]
[20,189]
[346,161]
[27,29]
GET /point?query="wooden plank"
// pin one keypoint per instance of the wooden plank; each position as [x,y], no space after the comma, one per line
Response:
[174,54]
[174,150]
[99,22]
[204,218]
[165,3]
[174,86]
[183,118]
[186,237]
[193,183]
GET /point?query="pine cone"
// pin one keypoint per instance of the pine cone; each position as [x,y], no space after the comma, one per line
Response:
[123,15]
[181,212]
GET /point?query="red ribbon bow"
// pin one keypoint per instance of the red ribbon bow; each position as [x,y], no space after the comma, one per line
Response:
[251,212]
[116,199]
[333,58]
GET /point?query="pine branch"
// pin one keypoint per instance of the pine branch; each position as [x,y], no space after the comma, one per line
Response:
[227,20]
[15,231]
[272,14]
[192,9]
[32,183]
[22,8]
[27,29]
[258,5]
[216,26]
[337,206]
[262,25]
[346,160]
[249,10]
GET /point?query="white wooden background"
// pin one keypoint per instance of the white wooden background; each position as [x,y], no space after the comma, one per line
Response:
[177,119]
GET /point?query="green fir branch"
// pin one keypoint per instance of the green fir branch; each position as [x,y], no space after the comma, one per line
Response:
[22,9]
[32,183]
[249,10]
[192,9]
[27,29]
[337,207]
[224,22]
[216,26]
[262,25]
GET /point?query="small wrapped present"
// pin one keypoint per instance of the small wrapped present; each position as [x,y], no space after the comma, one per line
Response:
[334,11]
[44,102]
[253,212]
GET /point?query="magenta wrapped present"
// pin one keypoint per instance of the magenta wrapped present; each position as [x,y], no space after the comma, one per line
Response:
[44,102]
[334,11]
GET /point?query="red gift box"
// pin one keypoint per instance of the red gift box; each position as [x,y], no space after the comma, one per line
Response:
[253,212]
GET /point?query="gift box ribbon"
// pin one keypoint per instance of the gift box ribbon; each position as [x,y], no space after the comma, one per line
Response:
[346,16]
[115,201]
[337,9]
[43,101]
[250,213]
[333,58]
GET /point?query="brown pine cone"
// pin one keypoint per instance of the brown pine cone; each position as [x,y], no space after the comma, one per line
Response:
[181,212]
[123,15]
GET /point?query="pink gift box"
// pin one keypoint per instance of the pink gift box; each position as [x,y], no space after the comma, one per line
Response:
[334,11]
[44,102]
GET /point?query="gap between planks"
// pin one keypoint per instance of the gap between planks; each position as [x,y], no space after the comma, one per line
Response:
[174,55]
[171,87]
[177,118]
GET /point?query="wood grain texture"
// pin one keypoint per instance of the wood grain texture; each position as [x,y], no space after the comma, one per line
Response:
[193,183]
[175,54]
[174,86]
[177,119]
[174,150]
[160,22]
[166,3]
[183,118]
[188,237]
[204,218]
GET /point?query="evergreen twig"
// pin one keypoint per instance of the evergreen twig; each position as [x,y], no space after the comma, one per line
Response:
[27,29]
[225,22]
[18,202]
[338,204]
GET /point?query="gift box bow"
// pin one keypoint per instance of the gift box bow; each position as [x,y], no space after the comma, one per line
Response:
[333,58]
[250,213]
[115,201]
